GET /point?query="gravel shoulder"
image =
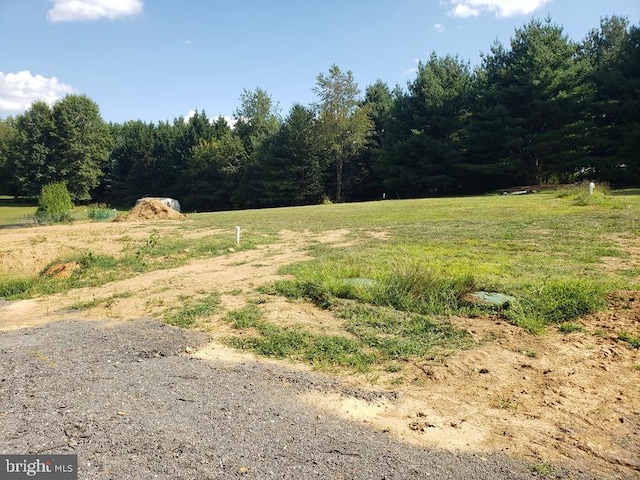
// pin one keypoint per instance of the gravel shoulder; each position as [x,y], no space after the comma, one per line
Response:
[128,400]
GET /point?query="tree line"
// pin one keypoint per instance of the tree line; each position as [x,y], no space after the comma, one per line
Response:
[543,109]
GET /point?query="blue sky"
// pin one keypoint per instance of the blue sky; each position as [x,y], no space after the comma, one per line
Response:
[156,60]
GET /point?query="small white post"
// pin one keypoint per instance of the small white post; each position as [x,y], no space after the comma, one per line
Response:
[237,235]
[592,186]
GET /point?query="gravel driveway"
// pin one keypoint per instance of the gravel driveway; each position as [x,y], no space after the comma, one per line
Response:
[127,400]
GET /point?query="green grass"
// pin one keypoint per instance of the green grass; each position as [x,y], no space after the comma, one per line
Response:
[12,211]
[542,249]
[22,211]
[106,301]
[186,314]
[601,196]
[543,469]
[630,339]
[570,327]
[155,253]
[373,335]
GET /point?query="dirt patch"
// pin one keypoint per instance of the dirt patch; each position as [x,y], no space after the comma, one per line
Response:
[629,258]
[150,209]
[61,270]
[26,251]
[569,399]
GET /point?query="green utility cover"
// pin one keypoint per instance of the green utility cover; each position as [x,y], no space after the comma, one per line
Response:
[493,298]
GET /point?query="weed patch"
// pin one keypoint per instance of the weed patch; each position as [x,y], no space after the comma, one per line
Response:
[192,310]
[106,301]
[17,288]
[400,335]
[424,290]
[630,339]
[100,213]
[570,327]
[373,336]
[543,469]
[558,300]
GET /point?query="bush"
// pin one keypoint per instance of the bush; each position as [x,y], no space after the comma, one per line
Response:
[54,203]
[100,213]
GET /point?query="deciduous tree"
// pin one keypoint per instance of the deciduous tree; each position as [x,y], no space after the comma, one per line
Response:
[82,144]
[343,122]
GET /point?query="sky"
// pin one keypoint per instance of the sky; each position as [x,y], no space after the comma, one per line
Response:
[156,60]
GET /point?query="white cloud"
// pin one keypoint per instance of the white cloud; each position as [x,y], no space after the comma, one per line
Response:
[230,120]
[86,10]
[412,70]
[439,27]
[463,10]
[19,90]
[500,8]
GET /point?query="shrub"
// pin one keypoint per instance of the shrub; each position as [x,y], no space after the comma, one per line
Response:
[54,203]
[99,213]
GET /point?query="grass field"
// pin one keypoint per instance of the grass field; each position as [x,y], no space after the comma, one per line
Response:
[15,212]
[550,251]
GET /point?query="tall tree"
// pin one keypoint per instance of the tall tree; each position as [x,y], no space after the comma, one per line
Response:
[343,122]
[531,103]
[488,160]
[258,119]
[292,170]
[32,159]
[423,135]
[613,54]
[8,139]
[361,178]
[82,144]
[128,175]
[213,172]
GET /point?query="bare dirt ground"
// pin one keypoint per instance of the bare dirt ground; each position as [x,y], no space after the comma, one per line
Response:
[569,400]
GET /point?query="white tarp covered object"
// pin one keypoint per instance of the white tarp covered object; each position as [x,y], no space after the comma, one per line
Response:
[169,202]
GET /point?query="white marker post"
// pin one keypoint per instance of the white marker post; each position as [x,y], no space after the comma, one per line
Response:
[237,235]
[592,186]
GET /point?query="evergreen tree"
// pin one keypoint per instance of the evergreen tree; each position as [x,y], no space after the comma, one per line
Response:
[361,178]
[213,173]
[613,54]
[258,119]
[292,172]
[423,136]
[128,175]
[530,103]
[54,203]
